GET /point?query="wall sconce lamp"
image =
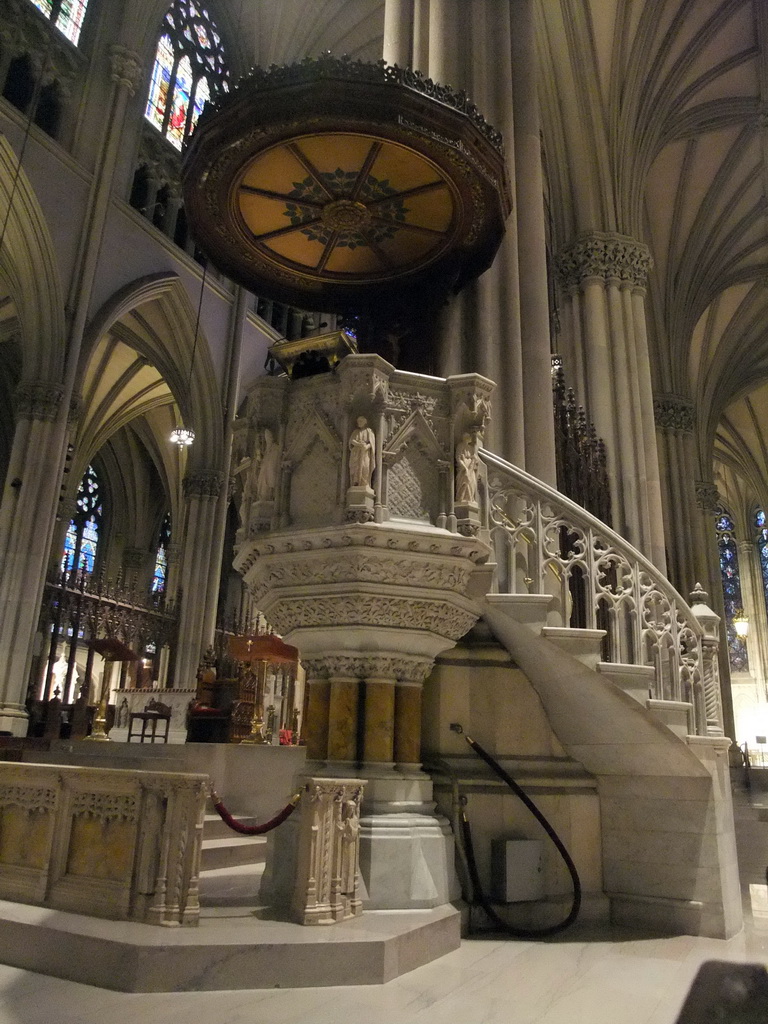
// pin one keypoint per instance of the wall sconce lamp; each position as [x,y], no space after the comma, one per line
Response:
[741,624]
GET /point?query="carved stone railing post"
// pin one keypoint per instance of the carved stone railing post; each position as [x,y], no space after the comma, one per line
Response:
[710,672]
[327,875]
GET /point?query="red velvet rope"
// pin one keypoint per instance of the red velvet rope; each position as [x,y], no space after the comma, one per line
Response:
[253,830]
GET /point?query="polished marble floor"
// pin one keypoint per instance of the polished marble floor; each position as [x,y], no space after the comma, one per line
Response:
[581,980]
[585,977]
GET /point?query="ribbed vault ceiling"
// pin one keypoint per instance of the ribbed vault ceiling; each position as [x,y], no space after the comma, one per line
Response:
[666,113]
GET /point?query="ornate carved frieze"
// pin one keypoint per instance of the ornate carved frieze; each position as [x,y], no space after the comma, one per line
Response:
[32,799]
[363,567]
[126,69]
[354,609]
[605,256]
[363,540]
[202,485]
[671,412]
[396,668]
[707,497]
[106,806]
[37,400]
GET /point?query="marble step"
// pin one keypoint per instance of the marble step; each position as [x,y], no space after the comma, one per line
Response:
[232,851]
[233,948]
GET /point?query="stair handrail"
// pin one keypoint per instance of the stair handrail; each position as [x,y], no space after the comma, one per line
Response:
[544,543]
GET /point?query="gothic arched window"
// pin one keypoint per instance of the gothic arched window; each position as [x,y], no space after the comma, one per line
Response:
[729,571]
[160,574]
[189,69]
[82,537]
[761,523]
[67,15]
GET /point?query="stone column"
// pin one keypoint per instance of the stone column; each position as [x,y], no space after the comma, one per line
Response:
[201,492]
[26,523]
[342,717]
[753,597]
[230,402]
[708,502]
[137,568]
[408,717]
[531,240]
[603,278]
[318,709]
[379,727]
[675,421]
[398,16]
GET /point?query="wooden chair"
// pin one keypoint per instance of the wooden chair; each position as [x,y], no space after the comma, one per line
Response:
[154,712]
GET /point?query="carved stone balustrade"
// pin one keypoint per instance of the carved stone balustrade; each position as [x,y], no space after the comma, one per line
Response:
[109,843]
[327,870]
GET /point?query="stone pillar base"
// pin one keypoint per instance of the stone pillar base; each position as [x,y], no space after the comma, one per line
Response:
[13,720]
[406,849]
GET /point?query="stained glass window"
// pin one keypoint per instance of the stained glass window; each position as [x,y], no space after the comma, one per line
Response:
[82,537]
[161,559]
[761,524]
[67,15]
[729,571]
[189,69]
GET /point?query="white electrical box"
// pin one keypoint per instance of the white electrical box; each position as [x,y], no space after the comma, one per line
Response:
[517,874]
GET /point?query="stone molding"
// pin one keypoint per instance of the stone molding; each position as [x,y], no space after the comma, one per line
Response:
[126,69]
[364,567]
[608,257]
[396,668]
[366,540]
[38,400]
[437,616]
[707,497]
[202,485]
[672,412]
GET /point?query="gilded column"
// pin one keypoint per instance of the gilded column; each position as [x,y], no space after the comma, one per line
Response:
[379,722]
[342,717]
[318,709]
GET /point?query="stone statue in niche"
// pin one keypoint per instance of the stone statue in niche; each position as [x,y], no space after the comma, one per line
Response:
[266,481]
[467,463]
[362,454]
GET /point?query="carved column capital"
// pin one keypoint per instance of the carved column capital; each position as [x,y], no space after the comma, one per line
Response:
[604,256]
[202,485]
[37,400]
[378,666]
[672,412]
[707,497]
[125,68]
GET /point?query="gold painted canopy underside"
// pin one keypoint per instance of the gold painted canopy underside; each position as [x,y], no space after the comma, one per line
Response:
[344,204]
